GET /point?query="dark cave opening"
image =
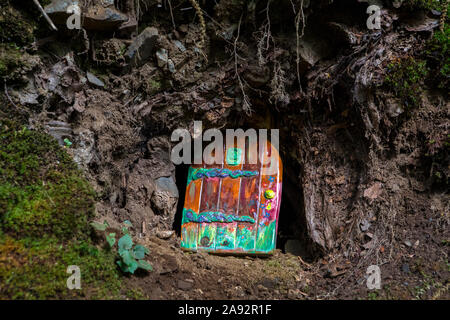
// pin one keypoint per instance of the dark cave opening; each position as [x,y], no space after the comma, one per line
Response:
[181,173]
[291,234]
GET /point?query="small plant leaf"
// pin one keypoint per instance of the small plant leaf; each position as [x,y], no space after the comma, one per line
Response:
[139,251]
[98,226]
[111,239]
[128,223]
[67,142]
[123,266]
[125,230]
[145,265]
[125,243]
[129,261]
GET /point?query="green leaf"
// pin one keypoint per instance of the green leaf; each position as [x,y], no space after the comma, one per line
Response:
[128,223]
[139,251]
[125,243]
[145,265]
[122,266]
[99,226]
[128,259]
[111,239]
[67,142]
[125,230]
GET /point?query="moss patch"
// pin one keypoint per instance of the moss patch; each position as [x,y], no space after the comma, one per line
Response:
[10,60]
[405,79]
[14,26]
[36,269]
[425,4]
[45,207]
[41,189]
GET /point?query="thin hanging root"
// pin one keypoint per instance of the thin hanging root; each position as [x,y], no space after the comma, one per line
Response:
[300,16]
[50,22]
[202,21]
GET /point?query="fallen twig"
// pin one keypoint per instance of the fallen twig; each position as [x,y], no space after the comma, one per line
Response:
[50,22]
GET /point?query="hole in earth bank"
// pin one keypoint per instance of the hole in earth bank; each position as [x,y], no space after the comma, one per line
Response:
[291,235]
[181,173]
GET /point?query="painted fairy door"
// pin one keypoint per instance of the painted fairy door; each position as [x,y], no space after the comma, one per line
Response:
[233,207]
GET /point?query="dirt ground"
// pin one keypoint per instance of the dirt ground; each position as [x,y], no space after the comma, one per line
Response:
[185,275]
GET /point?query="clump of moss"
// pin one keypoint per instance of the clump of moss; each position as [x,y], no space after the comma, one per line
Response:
[36,269]
[153,86]
[405,78]
[14,26]
[45,208]
[41,189]
[425,4]
[10,60]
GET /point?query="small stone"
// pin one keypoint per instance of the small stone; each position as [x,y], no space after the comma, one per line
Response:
[408,243]
[405,268]
[94,80]
[269,283]
[107,3]
[167,184]
[171,66]
[261,288]
[179,45]
[364,225]
[166,234]
[29,95]
[164,199]
[185,284]
[436,12]
[373,192]
[162,57]
[143,46]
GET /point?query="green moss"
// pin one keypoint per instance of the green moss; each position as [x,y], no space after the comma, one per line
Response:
[41,189]
[15,27]
[136,294]
[45,207]
[424,4]
[373,295]
[405,78]
[154,86]
[36,269]
[10,59]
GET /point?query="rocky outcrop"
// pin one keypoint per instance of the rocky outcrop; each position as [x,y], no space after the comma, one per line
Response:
[142,47]
[96,17]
